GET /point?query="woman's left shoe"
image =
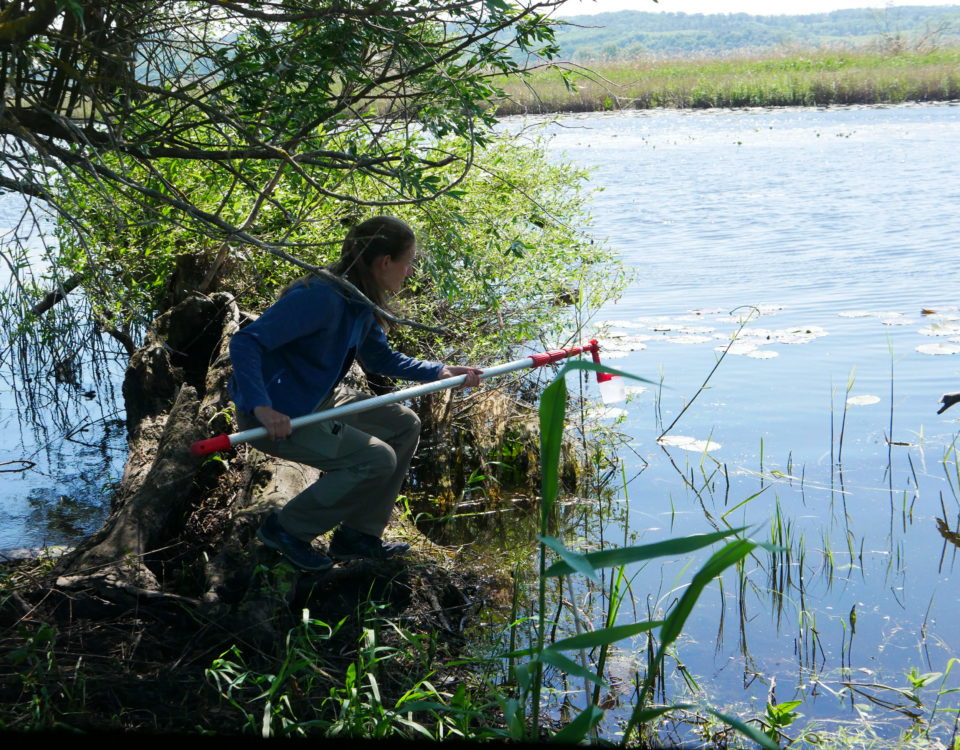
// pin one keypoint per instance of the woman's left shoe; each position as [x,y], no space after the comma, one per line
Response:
[350,544]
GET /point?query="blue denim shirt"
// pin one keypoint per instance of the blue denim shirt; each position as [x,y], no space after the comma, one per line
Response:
[293,355]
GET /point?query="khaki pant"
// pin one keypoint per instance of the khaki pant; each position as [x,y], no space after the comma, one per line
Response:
[364,457]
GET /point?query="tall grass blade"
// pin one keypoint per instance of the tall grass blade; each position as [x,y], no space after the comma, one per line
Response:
[553,407]
[722,559]
[718,562]
[744,502]
[602,637]
[746,730]
[609,558]
[553,410]
[577,729]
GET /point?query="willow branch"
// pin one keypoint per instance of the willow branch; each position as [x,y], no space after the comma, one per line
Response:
[231,231]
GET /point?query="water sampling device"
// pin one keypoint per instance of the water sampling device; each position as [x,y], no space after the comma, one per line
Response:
[611,390]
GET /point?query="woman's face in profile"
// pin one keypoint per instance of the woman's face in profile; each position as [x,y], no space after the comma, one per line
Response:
[391,272]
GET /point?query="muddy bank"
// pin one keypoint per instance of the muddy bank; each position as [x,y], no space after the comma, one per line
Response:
[86,663]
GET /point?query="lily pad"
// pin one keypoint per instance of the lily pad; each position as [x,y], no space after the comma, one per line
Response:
[688,338]
[946,328]
[696,329]
[686,443]
[738,347]
[941,348]
[757,333]
[864,400]
[762,354]
[714,311]
[769,309]
[799,335]
[623,344]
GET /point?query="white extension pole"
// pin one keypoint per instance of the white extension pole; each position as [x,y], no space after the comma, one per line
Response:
[224,441]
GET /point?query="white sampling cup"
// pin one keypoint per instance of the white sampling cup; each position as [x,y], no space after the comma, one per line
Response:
[612,388]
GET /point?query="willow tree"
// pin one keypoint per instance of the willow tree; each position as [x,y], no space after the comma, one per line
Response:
[320,91]
[230,139]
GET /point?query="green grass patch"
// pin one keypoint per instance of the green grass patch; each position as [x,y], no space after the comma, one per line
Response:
[809,78]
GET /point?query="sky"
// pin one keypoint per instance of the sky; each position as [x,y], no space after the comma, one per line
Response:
[754,7]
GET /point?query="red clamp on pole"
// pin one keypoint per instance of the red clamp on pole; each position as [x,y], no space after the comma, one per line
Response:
[555,355]
[545,358]
[602,377]
[612,387]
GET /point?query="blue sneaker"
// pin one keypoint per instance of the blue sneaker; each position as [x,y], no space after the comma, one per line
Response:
[298,552]
[350,544]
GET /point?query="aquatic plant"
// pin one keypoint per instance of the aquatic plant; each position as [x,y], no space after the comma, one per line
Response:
[525,711]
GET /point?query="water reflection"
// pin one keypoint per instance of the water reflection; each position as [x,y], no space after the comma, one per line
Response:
[60,408]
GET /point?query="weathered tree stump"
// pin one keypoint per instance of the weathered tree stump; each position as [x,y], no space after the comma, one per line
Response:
[175,393]
[182,529]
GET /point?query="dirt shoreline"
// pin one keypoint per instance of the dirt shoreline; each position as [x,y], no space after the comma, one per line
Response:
[87,664]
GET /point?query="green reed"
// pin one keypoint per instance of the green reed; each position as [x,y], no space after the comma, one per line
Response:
[527,708]
[792,78]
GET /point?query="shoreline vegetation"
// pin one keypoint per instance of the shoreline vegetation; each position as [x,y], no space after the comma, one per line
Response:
[820,77]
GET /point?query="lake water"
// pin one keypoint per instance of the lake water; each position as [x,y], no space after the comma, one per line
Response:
[62,446]
[837,231]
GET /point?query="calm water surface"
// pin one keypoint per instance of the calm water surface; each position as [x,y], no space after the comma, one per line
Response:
[841,227]
[61,446]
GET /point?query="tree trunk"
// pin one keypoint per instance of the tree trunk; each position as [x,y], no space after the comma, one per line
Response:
[182,528]
[175,393]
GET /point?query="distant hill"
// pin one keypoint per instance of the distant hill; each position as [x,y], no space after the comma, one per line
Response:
[630,34]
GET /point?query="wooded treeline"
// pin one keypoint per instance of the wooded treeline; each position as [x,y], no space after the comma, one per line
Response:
[626,35]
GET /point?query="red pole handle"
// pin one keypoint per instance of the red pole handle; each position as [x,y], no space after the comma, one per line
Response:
[219,443]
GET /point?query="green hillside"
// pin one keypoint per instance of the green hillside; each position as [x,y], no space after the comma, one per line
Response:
[630,34]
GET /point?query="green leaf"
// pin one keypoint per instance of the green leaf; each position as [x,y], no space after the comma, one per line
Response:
[575,561]
[609,558]
[553,410]
[718,562]
[783,712]
[603,636]
[746,730]
[577,729]
[558,660]
[648,714]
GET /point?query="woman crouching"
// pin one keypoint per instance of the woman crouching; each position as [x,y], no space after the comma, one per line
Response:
[290,362]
